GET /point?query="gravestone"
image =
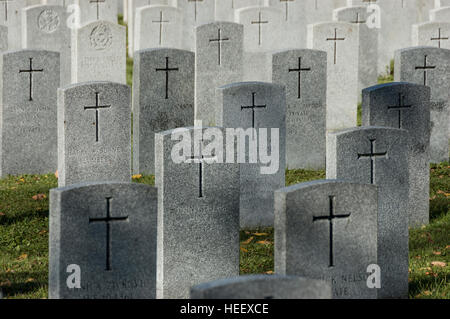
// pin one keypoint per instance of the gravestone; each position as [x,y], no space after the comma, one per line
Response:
[225,9]
[379,156]
[28,133]
[262,33]
[406,106]
[95,10]
[340,41]
[440,14]
[158,27]
[257,112]
[193,208]
[263,287]
[218,62]
[94,133]
[11,17]
[327,230]
[423,9]
[106,232]
[441,3]
[317,11]
[44,27]
[195,13]
[304,74]
[293,24]
[131,15]
[163,99]
[98,53]
[431,67]
[432,34]
[368,44]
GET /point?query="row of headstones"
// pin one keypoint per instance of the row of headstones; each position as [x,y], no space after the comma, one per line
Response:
[271,25]
[90,51]
[87,137]
[127,240]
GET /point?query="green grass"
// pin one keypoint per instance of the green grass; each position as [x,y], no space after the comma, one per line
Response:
[24,236]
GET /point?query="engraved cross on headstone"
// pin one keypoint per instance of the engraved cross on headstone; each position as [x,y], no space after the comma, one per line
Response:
[299,70]
[253,107]
[400,107]
[439,38]
[335,39]
[195,7]
[5,3]
[259,23]
[160,21]
[96,107]
[167,70]
[286,2]
[330,218]
[357,20]
[200,159]
[425,67]
[30,76]
[219,41]
[372,156]
[108,220]
[97,4]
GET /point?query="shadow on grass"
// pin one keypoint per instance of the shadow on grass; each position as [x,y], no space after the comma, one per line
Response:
[28,215]
[24,283]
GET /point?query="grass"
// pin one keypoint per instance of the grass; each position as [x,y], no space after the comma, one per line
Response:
[24,236]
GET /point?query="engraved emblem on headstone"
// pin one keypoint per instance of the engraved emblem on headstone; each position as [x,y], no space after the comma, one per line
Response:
[101,37]
[48,21]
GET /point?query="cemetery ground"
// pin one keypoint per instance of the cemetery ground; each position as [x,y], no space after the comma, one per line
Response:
[24,206]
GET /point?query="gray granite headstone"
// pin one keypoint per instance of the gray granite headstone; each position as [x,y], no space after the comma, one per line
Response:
[44,27]
[94,10]
[253,108]
[328,230]
[94,133]
[99,52]
[198,211]
[263,32]
[341,42]
[108,232]
[28,111]
[163,99]
[304,74]
[379,155]
[158,27]
[11,16]
[407,106]
[368,44]
[263,287]
[218,62]
[431,67]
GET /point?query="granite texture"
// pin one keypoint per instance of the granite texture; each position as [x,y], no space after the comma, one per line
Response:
[98,52]
[348,159]
[94,144]
[217,63]
[342,63]
[158,27]
[109,231]
[233,100]
[430,66]
[163,99]
[198,217]
[44,27]
[328,230]
[263,287]
[407,106]
[304,75]
[28,133]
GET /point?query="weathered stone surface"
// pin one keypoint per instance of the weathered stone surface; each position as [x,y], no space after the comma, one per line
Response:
[106,232]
